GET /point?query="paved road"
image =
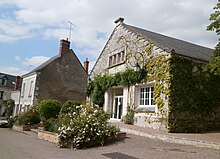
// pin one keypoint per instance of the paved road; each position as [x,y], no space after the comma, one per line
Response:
[15,145]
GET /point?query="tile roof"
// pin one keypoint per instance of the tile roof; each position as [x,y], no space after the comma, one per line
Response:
[10,79]
[43,65]
[168,43]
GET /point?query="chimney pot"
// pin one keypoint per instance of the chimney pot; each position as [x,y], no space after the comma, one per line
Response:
[86,65]
[64,46]
[120,19]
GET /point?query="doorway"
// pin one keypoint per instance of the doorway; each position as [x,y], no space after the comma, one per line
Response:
[117,107]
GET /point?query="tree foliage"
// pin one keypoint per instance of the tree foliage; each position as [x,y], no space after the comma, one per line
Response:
[214,64]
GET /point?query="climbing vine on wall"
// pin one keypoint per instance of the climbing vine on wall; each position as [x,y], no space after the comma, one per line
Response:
[154,68]
[194,97]
[100,84]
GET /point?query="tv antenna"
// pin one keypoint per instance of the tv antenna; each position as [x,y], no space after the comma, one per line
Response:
[71,24]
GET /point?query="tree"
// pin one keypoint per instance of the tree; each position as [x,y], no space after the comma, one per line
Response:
[9,108]
[214,64]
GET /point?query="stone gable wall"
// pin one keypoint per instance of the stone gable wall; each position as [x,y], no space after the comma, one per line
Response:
[64,79]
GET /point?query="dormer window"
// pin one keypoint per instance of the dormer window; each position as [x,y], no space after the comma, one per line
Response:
[4,82]
[116,59]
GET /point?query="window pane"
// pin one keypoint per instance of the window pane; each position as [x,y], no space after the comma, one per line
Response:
[114,59]
[119,58]
[110,60]
[122,55]
[152,95]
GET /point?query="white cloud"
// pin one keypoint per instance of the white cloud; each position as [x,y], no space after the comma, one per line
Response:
[12,70]
[17,58]
[34,61]
[186,20]
[30,63]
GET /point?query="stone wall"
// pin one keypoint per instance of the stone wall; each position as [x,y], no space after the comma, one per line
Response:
[150,120]
[157,63]
[64,79]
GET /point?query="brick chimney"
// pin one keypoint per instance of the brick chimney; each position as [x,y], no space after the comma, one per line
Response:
[17,82]
[86,65]
[64,46]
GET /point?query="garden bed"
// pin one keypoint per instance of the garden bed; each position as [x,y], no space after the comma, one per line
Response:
[53,137]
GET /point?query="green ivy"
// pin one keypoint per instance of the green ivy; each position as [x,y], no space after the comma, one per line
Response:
[101,83]
[194,97]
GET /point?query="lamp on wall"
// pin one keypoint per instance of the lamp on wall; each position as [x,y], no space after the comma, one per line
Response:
[89,80]
[136,67]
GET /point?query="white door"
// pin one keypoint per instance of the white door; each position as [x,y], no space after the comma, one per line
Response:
[117,107]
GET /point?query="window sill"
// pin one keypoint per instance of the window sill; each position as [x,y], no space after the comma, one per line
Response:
[146,109]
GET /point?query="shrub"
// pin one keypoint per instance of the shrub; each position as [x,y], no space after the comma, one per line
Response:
[129,117]
[49,109]
[29,117]
[11,121]
[85,126]
[9,108]
[51,125]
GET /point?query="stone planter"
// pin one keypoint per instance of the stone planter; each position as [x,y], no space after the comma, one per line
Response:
[110,139]
[24,127]
[48,136]
[54,138]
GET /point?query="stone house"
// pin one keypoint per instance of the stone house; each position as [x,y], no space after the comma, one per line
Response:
[175,94]
[6,87]
[62,78]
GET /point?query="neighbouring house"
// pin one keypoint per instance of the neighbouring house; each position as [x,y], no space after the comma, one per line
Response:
[15,95]
[62,78]
[161,78]
[6,87]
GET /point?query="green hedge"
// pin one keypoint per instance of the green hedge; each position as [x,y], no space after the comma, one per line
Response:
[49,109]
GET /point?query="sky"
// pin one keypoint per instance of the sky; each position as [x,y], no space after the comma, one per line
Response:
[30,30]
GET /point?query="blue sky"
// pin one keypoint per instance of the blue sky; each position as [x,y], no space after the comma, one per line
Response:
[30,30]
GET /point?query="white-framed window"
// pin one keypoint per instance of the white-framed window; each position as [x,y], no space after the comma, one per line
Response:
[23,89]
[146,96]
[31,88]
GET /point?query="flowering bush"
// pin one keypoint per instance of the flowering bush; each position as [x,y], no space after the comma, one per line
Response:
[69,107]
[85,126]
